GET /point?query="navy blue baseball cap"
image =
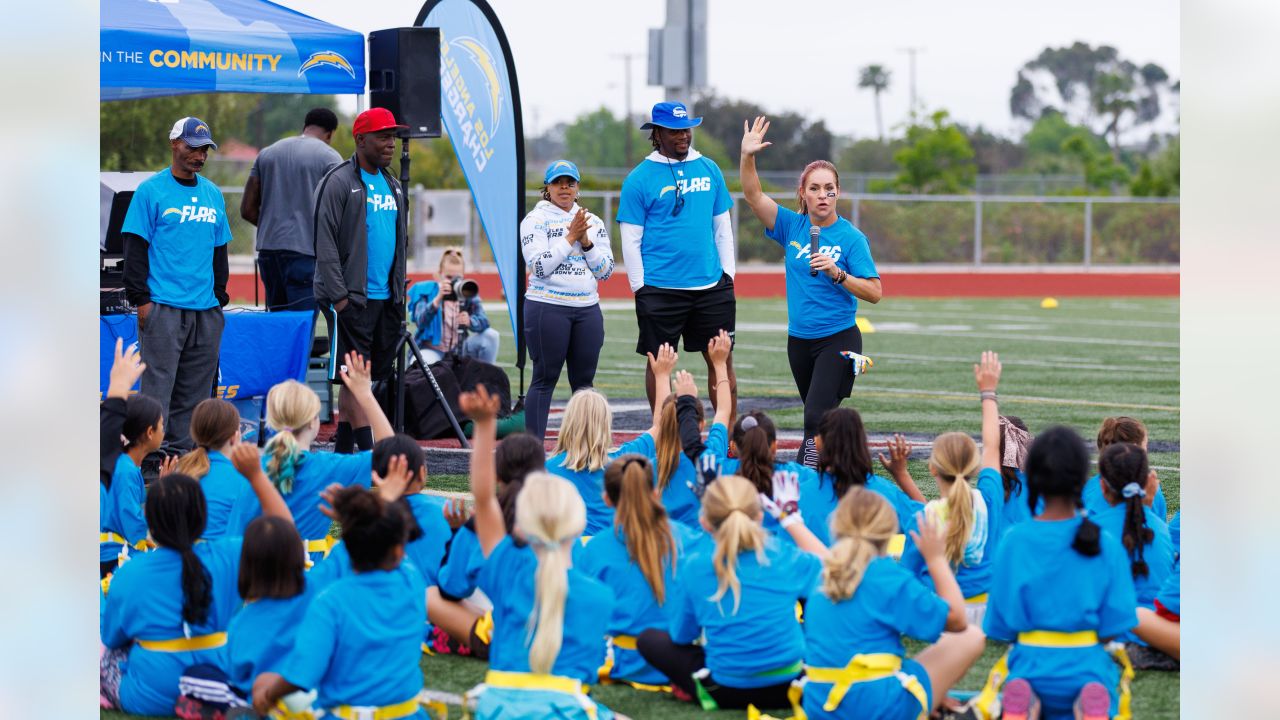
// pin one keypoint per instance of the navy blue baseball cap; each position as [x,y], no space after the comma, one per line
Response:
[193,131]
[560,168]
[672,116]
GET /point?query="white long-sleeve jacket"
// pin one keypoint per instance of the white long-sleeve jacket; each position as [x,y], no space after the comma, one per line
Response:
[560,273]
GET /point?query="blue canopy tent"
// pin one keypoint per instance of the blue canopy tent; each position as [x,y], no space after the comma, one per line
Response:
[171,47]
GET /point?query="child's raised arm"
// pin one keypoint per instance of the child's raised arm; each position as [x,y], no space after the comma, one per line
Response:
[358,377]
[248,462]
[896,464]
[662,365]
[784,506]
[718,352]
[482,408]
[931,541]
[987,374]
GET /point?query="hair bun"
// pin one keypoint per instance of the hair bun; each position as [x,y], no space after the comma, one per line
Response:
[748,422]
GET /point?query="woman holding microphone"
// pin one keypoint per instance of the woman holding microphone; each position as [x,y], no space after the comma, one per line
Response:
[566,252]
[828,268]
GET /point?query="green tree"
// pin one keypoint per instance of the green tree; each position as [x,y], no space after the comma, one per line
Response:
[994,154]
[875,78]
[134,134]
[1159,176]
[1101,170]
[598,139]
[1112,88]
[938,158]
[1043,143]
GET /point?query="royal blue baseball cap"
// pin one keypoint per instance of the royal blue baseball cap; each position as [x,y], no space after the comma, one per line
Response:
[559,168]
[193,131]
[672,116]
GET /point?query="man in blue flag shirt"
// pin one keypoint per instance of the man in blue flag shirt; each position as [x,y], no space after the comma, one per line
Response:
[360,246]
[677,243]
[175,273]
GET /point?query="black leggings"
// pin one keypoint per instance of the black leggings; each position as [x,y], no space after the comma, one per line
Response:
[554,334]
[822,376]
[680,662]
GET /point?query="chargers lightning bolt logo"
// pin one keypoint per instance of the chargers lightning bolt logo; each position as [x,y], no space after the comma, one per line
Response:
[329,58]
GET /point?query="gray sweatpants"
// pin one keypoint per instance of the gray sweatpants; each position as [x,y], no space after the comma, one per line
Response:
[180,348]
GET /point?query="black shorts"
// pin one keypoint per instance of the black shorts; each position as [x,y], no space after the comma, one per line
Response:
[665,315]
[372,331]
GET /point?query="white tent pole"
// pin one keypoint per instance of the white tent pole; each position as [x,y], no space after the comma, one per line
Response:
[359,103]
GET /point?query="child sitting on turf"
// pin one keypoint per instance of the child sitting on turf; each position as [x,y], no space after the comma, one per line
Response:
[638,561]
[358,643]
[272,583]
[844,462]
[1126,481]
[676,477]
[549,618]
[121,524]
[970,512]
[1161,628]
[169,609]
[215,428]
[1113,430]
[855,663]
[293,411]
[586,434]
[1061,589]
[463,626]
[752,646]
[1015,439]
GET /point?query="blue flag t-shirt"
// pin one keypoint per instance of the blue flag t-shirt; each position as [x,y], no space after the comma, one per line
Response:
[817,307]
[380,212]
[679,251]
[182,225]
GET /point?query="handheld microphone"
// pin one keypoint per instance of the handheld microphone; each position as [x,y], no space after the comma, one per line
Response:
[814,232]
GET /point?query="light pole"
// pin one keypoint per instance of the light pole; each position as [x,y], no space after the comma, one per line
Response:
[911,53]
[626,123]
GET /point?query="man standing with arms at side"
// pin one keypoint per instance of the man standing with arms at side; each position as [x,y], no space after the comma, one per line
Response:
[360,245]
[279,199]
[175,273]
[677,243]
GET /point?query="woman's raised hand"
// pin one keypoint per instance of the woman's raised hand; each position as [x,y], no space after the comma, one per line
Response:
[753,136]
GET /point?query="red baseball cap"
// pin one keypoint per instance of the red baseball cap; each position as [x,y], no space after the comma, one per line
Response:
[374,120]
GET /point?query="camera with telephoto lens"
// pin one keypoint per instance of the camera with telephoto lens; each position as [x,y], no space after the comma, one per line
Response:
[465,289]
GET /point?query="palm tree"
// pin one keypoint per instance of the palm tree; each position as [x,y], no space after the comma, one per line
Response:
[875,77]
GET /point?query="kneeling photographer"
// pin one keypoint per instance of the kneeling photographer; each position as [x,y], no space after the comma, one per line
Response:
[450,316]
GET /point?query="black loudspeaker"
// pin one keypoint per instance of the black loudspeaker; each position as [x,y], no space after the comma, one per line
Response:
[404,77]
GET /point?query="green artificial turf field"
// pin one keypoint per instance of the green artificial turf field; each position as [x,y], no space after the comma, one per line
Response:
[1074,365]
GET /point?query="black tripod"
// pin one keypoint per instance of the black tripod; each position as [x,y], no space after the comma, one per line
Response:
[406,340]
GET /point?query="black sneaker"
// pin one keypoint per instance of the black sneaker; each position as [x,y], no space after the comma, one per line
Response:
[1145,657]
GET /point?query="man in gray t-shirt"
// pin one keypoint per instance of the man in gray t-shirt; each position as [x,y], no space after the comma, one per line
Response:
[278,199]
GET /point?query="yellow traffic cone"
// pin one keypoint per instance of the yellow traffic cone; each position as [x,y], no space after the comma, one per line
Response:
[1048,303]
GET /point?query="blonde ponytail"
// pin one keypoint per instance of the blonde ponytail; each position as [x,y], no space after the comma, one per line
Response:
[955,458]
[291,406]
[732,507]
[863,524]
[550,515]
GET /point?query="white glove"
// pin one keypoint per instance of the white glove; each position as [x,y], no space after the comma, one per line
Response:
[708,471]
[784,506]
[861,363]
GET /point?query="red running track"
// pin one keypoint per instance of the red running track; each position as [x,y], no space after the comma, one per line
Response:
[769,283]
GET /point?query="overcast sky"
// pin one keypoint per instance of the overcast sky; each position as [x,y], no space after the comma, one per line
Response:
[801,56]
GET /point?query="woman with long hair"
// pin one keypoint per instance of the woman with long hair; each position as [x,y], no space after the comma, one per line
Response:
[823,286]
